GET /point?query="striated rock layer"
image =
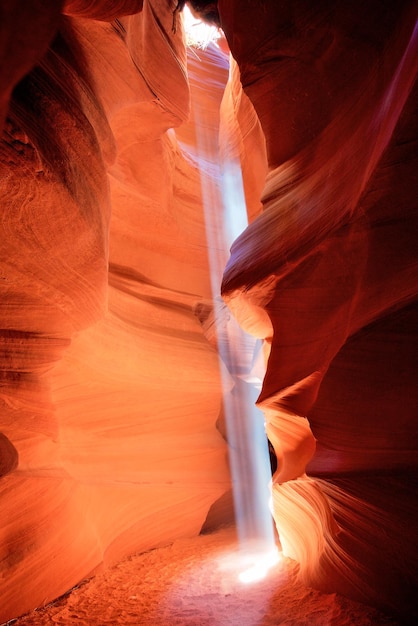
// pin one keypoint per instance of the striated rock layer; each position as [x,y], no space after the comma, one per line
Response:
[328,276]
[109,377]
[109,390]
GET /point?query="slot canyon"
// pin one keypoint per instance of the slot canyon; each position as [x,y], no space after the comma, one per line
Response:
[117,134]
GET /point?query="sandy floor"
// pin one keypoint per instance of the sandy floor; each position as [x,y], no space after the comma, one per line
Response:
[194,583]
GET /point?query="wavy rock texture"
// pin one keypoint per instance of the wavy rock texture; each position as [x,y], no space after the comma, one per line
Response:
[110,390]
[327,275]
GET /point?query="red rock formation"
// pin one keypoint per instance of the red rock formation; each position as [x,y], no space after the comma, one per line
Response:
[110,392]
[332,262]
[109,387]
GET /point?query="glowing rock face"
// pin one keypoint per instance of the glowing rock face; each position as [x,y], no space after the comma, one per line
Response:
[327,275]
[110,388]
[110,391]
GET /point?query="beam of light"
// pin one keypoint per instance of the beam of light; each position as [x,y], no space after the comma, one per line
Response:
[225,218]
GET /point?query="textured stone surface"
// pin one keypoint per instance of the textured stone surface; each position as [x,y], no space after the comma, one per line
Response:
[110,392]
[328,276]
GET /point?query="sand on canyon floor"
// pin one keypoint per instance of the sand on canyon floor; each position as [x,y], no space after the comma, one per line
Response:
[194,582]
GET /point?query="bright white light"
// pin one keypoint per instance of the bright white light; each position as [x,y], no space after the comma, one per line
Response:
[271,506]
[249,566]
[262,563]
[225,219]
[198,34]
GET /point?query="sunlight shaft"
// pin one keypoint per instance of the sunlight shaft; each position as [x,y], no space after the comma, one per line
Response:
[225,218]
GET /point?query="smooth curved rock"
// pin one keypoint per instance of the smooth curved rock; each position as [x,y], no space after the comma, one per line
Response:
[332,262]
[9,457]
[112,437]
[110,392]
[107,10]
[26,31]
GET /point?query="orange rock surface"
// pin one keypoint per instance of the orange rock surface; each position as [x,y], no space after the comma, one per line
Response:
[110,388]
